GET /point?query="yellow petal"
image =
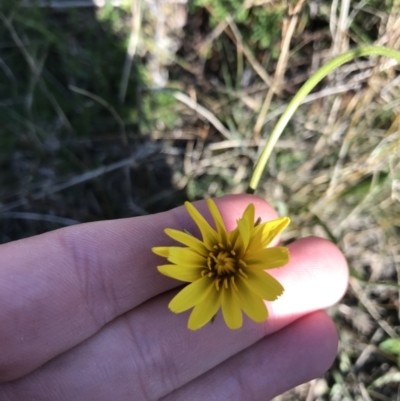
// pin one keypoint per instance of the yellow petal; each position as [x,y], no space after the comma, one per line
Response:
[252,305]
[204,311]
[188,240]
[263,284]
[244,232]
[268,258]
[245,226]
[191,295]
[208,233]
[249,215]
[161,251]
[264,233]
[237,242]
[185,257]
[271,229]
[236,239]
[219,223]
[231,308]
[180,273]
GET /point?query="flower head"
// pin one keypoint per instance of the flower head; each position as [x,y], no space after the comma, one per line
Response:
[226,269]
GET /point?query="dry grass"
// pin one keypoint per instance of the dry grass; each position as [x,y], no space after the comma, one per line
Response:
[335,171]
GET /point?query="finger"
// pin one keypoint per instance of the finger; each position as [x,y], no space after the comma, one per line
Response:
[148,352]
[59,288]
[301,352]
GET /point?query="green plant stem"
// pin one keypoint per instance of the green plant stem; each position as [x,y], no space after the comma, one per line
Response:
[308,86]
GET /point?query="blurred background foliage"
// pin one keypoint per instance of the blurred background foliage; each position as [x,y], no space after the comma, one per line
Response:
[260,25]
[124,108]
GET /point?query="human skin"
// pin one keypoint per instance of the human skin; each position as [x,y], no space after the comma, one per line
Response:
[84,317]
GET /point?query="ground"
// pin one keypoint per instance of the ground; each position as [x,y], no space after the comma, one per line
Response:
[122,111]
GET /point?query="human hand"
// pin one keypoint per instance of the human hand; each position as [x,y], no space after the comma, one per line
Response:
[83,316]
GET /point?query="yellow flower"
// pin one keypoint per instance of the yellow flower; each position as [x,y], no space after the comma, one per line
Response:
[225,269]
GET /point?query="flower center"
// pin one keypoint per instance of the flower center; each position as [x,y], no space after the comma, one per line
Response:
[222,262]
[224,265]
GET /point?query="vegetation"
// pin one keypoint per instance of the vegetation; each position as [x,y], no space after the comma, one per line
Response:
[73,149]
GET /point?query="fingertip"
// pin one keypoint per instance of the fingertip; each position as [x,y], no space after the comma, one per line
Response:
[329,261]
[305,349]
[316,277]
[323,337]
[239,202]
